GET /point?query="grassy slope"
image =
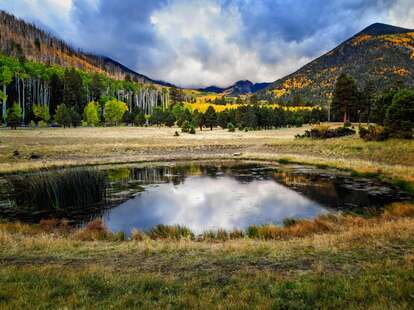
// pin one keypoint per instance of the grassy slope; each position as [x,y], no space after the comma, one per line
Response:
[366,266]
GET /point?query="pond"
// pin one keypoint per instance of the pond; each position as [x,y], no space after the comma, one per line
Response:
[200,196]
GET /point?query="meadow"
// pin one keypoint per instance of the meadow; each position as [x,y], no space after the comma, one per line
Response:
[343,262]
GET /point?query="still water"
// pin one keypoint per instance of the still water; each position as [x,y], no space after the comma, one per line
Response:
[202,196]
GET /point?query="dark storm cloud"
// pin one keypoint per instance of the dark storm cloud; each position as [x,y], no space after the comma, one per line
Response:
[201,42]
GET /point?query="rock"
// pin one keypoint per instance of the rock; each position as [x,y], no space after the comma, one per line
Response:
[16,153]
[237,154]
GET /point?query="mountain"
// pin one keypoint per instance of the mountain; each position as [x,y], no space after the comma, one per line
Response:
[239,88]
[21,39]
[380,53]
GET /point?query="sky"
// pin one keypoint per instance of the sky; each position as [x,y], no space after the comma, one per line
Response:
[198,43]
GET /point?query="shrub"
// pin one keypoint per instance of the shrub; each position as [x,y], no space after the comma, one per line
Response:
[185,127]
[41,113]
[231,127]
[289,222]
[325,132]
[119,236]
[14,115]
[373,133]
[192,130]
[170,232]
[137,235]
[399,209]
[42,124]
[94,231]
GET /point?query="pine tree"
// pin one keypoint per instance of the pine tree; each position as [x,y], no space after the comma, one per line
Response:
[345,97]
[210,117]
[56,91]
[73,92]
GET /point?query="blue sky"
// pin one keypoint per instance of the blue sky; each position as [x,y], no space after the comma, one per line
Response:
[210,42]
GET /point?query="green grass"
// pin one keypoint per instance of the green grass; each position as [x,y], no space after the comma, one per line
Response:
[378,287]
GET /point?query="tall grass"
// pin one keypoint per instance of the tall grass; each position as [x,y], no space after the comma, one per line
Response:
[59,189]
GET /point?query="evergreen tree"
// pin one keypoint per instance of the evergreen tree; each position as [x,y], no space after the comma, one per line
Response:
[139,119]
[380,107]
[210,117]
[56,91]
[199,119]
[345,97]
[176,96]
[399,119]
[169,118]
[63,115]
[97,87]
[73,92]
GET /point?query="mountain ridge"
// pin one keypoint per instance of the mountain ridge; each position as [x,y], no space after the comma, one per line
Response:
[241,87]
[22,39]
[381,53]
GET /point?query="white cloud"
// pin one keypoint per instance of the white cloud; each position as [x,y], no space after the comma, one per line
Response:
[200,43]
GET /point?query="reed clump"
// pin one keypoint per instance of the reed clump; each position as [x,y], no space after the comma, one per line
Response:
[170,232]
[58,189]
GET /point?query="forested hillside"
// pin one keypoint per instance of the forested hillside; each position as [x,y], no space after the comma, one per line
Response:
[23,40]
[381,55]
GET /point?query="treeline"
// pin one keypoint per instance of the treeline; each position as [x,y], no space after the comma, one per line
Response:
[392,109]
[245,117]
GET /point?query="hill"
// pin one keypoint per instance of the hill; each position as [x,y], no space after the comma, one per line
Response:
[21,39]
[380,53]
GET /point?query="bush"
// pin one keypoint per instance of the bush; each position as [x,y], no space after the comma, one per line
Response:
[41,113]
[14,115]
[324,132]
[185,127]
[192,130]
[373,133]
[170,232]
[42,124]
[231,127]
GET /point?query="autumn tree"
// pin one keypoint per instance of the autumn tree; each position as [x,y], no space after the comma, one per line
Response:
[114,111]
[91,114]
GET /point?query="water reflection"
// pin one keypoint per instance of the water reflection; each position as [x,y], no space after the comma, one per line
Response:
[207,202]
